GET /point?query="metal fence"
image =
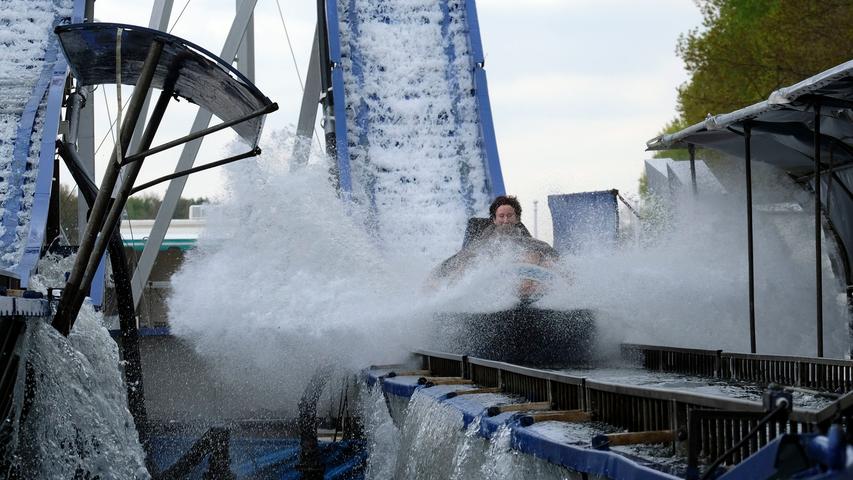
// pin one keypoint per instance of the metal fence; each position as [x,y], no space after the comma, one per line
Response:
[443,364]
[711,425]
[822,374]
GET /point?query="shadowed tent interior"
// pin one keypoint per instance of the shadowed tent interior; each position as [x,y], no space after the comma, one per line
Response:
[783,134]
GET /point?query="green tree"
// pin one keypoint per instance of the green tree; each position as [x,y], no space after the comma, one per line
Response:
[673,126]
[68,212]
[138,207]
[147,205]
[746,49]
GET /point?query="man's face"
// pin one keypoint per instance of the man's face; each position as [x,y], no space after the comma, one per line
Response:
[505,215]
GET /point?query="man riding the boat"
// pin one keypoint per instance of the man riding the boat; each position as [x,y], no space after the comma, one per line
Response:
[503,234]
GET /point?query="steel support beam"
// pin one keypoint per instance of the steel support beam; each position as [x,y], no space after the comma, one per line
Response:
[122,192]
[817,234]
[326,91]
[160,14]
[308,110]
[691,149]
[747,136]
[69,306]
[86,138]
[188,156]
[246,51]
[134,382]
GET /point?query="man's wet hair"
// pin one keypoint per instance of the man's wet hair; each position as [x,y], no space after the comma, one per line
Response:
[505,200]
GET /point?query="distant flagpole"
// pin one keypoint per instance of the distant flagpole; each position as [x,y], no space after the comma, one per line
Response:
[535,218]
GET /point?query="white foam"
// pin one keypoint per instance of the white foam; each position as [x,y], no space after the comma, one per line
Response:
[78,423]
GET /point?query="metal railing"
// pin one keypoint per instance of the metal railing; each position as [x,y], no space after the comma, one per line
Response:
[805,372]
[443,364]
[710,424]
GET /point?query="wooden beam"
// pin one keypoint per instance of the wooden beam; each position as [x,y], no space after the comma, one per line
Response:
[474,391]
[517,407]
[570,416]
[635,438]
[431,381]
[408,373]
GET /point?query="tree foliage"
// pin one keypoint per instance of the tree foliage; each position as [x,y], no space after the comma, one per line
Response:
[147,205]
[137,208]
[673,126]
[746,49]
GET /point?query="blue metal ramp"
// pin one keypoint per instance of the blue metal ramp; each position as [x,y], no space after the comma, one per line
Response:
[415,141]
[32,74]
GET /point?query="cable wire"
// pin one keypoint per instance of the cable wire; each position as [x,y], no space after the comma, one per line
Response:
[295,64]
[179,17]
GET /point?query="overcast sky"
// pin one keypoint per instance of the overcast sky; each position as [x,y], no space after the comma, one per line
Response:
[576,86]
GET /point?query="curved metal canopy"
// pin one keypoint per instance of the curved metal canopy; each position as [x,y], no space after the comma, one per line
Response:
[200,76]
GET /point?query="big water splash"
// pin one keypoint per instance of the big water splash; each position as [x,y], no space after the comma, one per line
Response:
[75,423]
[687,285]
[286,279]
[434,443]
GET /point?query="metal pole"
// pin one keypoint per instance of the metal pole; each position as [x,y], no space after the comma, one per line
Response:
[124,304]
[140,155]
[251,153]
[114,215]
[692,150]
[326,87]
[160,15]
[308,110]
[66,312]
[161,12]
[747,132]
[76,102]
[86,139]
[817,234]
[188,156]
[246,50]
[535,218]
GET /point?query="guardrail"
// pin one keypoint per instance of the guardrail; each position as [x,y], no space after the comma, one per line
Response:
[711,425]
[443,364]
[824,374]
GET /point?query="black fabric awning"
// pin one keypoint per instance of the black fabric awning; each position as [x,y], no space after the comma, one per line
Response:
[200,76]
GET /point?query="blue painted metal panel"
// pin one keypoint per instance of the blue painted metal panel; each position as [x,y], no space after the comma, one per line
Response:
[51,83]
[465,184]
[488,145]
[806,456]
[147,332]
[607,464]
[584,220]
[344,174]
[339,96]
[474,33]
[21,153]
[333,29]
[361,110]
[44,180]
[487,132]
[267,457]
[582,459]
[401,386]
[481,91]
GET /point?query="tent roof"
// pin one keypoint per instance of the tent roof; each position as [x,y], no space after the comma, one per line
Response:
[783,134]
[783,125]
